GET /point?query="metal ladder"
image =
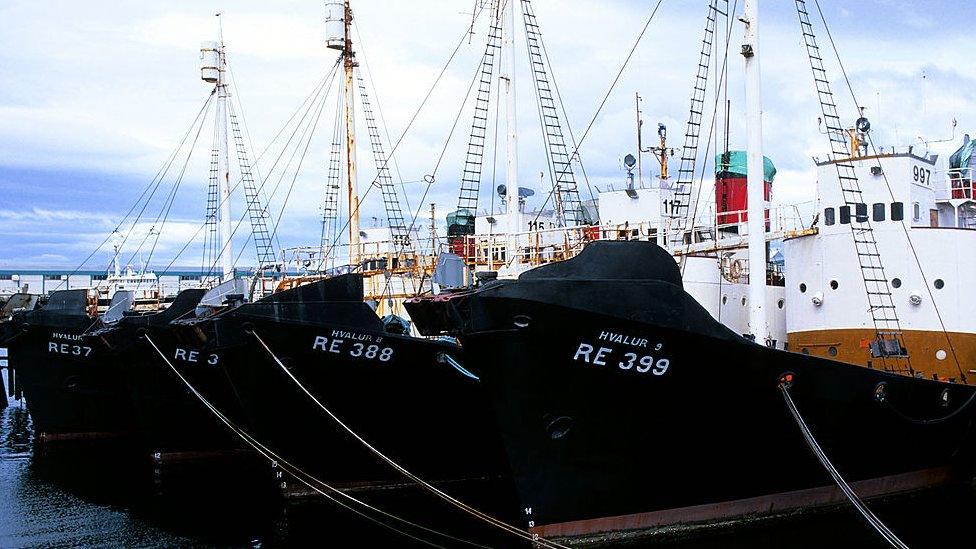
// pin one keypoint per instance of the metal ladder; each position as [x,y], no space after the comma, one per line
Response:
[564,182]
[256,214]
[391,201]
[888,344]
[211,242]
[680,205]
[474,158]
[330,206]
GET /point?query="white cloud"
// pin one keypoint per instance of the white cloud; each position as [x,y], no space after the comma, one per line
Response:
[112,90]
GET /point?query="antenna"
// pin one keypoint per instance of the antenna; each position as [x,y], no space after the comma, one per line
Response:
[952,137]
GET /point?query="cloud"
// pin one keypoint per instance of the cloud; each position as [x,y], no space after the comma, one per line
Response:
[102,90]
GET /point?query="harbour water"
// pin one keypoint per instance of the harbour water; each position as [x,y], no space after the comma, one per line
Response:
[104,499]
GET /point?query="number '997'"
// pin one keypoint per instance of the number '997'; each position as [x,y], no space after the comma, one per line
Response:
[629,361]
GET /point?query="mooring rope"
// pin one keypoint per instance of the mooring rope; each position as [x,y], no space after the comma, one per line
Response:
[535,538]
[868,515]
[927,421]
[303,476]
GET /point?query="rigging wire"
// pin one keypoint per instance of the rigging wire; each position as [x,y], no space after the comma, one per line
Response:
[616,79]
[494,147]
[310,132]
[249,143]
[708,142]
[904,227]
[304,477]
[569,127]
[399,468]
[326,86]
[379,110]
[310,98]
[403,134]
[330,224]
[210,237]
[432,177]
[153,184]
[168,203]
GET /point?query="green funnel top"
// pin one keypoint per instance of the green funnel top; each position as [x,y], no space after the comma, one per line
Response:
[734,162]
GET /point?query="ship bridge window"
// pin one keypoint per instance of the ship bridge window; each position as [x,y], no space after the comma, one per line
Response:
[861,212]
[845,215]
[878,213]
[897,211]
[100,277]
[6,277]
[52,277]
[829,218]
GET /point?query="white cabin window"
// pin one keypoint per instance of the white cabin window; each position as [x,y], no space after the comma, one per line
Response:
[916,212]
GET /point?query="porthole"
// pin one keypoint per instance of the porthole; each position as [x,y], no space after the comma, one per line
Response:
[803,288]
[780,303]
[725,299]
[832,351]
[896,283]
[805,351]
[833,284]
[940,354]
[939,284]
[743,302]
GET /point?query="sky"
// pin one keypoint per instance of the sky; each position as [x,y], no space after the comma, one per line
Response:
[94,98]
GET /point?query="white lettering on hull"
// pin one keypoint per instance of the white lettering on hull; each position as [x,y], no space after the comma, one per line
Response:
[354,346]
[642,363]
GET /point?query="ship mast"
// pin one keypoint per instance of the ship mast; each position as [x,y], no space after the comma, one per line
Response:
[511,146]
[352,187]
[223,167]
[758,326]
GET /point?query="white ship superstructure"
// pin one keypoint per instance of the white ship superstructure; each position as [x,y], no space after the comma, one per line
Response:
[922,220]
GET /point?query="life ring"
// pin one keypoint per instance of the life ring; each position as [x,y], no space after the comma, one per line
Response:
[735,270]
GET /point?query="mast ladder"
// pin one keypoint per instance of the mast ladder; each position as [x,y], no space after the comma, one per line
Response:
[680,206]
[257,215]
[391,201]
[888,344]
[330,206]
[474,157]
[560,160]
[211,242]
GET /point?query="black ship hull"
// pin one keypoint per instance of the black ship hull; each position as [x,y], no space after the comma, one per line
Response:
[72,386]
[625,406]
[398,392]
[171,419]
